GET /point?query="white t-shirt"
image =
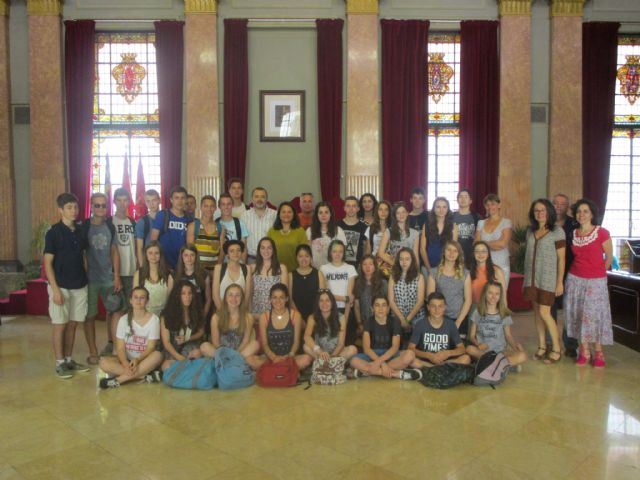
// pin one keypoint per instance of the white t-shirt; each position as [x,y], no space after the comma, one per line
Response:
[126,241]
[136,342]
[320,246]
[338,279]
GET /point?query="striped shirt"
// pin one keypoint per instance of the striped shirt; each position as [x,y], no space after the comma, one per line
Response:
[257,226]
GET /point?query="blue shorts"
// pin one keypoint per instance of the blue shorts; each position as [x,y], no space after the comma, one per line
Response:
[378,351]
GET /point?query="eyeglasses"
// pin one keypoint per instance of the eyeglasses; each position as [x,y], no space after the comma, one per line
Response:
[540,211]
[99,205]
[480,251]
[324,290]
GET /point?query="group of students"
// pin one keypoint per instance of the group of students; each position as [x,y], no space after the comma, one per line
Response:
[386,288]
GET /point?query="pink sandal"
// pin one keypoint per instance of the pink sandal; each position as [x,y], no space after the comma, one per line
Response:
[598,359]
[584,356]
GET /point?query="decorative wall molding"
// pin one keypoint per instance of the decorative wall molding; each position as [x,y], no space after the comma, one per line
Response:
[362,7]
[515,7]
[204,185]
[44,7]
[200,6]
[567,8]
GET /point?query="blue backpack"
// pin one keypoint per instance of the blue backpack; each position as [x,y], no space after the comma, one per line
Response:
[232,370]
[197,374]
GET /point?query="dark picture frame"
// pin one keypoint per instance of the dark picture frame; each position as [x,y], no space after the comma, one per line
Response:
[282,115]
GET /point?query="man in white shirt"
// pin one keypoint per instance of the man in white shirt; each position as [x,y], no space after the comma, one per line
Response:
[258,219]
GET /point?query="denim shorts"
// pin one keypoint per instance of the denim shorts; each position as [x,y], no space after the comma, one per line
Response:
[378,351]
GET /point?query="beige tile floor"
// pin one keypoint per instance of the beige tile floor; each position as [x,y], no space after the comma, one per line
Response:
[548,422]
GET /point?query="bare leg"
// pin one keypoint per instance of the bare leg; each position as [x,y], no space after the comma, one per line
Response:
[348,352]
[545,314]
[516,357]
[476,351]
[303,361]
[540,328]
[148,364]
[90,334]
[69,337]
[403,360]
[111,366]
[207,349]
[462,359]
[252,348]
[58,340]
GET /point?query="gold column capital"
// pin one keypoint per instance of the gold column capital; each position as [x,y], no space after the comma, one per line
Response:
[567,8]
[515,7]
[362,6]
[44,7]
[200,6]
[4,8]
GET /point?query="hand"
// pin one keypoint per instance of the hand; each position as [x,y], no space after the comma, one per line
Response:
[375,365]
[386,370]
[117,284]
[58,298]
[439,358]
[406,326]
[324,356]
[359,330]
[195,353]
[179,339]
[483,346]
[351,299]
[559,289]
[133,366]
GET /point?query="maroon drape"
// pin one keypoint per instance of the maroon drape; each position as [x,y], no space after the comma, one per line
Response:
[599,52]
[169,58]
[236,97]
[79,71]
[330,105]
[404,106]
[479,108]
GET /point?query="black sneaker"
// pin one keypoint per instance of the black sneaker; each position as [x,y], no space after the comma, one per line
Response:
[62,371]
[75,366]
[109,383]
[153,377]
[410,374]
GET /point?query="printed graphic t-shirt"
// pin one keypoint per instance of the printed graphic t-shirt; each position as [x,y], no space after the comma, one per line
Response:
[430,339]
[338,279]
[356,235]
[174,237]
[135,343]
[126,241]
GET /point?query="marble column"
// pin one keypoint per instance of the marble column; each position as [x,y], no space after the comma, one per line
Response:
[363,105]
[7,181]
[46,101]
[201,75]
[565,132]
[514,180]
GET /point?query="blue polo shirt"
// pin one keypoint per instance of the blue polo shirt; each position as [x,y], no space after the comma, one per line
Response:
[67,247]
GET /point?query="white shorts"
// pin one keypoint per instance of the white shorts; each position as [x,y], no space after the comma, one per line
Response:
[74,306]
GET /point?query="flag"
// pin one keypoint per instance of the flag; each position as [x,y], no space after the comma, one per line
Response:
[141,206]
[126,184]
[107,185]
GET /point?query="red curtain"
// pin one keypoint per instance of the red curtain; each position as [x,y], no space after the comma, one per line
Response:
[330,105]
[79,71]
[479,108]
[599,52]
[169,58]
[404,106]
[236,97]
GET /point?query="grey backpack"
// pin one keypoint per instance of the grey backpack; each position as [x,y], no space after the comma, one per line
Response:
[492,368]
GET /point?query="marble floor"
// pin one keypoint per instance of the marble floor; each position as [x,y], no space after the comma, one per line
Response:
[550,422]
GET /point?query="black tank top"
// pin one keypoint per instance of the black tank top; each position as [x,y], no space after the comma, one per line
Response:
[280,341]
[305,289]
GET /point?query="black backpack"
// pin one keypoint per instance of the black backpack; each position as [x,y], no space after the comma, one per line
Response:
[447,375]
[236,224]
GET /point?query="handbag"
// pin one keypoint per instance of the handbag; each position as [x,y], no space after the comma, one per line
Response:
[328,372]
[280,374]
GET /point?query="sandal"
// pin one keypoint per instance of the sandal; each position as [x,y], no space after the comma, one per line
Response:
[584,356]
[598,359]
[540,356]
[93,359]
[549,360]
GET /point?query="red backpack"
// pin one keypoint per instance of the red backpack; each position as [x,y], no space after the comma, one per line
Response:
[281,374]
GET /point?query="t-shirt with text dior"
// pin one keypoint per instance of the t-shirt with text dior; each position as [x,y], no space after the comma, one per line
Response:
[356,235]
[126,241]
[427,338]
[175,235]
[135,342]
[338,279]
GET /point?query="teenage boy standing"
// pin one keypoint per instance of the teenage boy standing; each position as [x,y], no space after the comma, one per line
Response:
[64,266]
[170,226]
[466,221]
[234,228]
[143,225]
[356,232]
[435,340]
[417,216]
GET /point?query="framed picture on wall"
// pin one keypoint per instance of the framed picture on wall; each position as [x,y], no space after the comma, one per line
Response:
[282,115]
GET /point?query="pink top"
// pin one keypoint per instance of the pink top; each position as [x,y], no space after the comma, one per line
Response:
[588,261]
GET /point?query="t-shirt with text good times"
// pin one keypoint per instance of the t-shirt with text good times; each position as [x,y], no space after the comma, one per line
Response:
[588,255]
[338,279]
[320,246]
[67,246]
[466,232]
[139,231]
[382,335]
[135,342]
[99,242]
[257,226]
[126,241]
[490,330]
[433,340]
[417,221]
[230,229]
[174,237]
[356,235]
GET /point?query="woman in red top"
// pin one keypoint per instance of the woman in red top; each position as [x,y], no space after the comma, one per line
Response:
[586,300]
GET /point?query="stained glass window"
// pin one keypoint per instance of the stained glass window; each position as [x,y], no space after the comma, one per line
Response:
[125,110]
[444,117]
[622,216]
